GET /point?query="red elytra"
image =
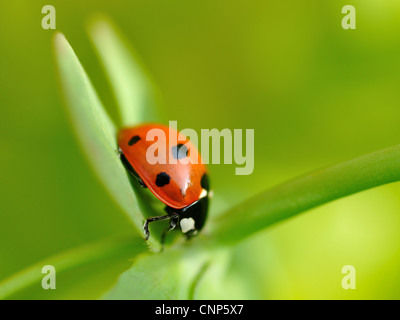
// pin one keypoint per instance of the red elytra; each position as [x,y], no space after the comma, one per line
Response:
[184,184]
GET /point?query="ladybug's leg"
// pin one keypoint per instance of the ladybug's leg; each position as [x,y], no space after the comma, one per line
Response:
[159,218]
[138,179]
[172,224]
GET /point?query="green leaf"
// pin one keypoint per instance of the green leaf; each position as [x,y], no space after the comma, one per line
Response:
[134,91]
[77,270]
[304,193]
[135,94]
[171,275]
[95,131]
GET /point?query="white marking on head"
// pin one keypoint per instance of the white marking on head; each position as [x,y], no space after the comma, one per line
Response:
[203,194]
[187,224]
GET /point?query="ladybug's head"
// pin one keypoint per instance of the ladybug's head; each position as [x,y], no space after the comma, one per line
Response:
[192,218]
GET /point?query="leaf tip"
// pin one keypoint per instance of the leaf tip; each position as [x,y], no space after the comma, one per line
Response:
[98,25]
[61,43]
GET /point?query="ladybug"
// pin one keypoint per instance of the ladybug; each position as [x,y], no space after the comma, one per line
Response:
[179,178]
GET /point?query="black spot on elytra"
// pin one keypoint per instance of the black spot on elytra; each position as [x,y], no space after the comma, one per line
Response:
[180,151]
[133,140]
[204,182]
[162,179]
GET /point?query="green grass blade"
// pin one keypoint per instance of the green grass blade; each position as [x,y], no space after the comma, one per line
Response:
[95,257]
[134,91]
[306,192]
[171,275]
[94,129]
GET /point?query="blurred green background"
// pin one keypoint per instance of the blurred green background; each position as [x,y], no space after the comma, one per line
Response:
[315,94]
